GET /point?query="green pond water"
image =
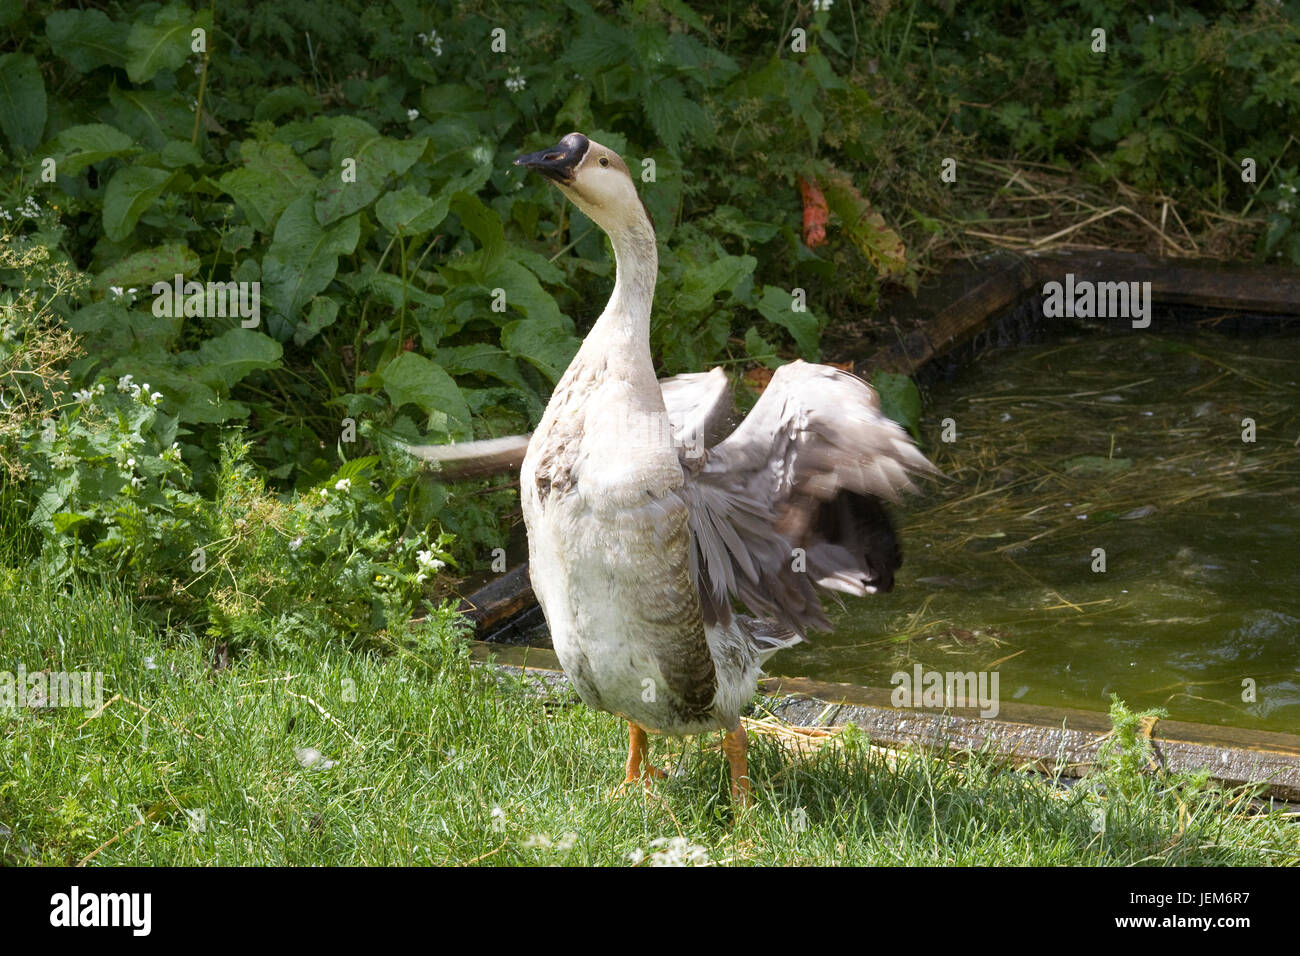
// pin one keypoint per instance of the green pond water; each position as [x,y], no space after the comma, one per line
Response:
[1131,443]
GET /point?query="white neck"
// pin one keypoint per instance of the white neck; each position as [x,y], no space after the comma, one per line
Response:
[636,261]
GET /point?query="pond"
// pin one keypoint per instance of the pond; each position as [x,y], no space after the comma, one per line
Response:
[1106,527]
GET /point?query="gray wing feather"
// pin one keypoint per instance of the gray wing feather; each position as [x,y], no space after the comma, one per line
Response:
[803,470]
[699,407]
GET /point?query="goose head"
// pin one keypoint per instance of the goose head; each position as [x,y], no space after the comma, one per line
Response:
[594,177]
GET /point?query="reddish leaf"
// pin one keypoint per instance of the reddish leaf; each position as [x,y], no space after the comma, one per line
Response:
[815,214]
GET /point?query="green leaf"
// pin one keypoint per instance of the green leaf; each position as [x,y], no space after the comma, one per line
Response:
[163,44]
[482,359]
[545,344]
[66,520]
[87,39]
[286,99]
[324,311]
[352,468]
[673,114]
[525,293]
[227,358]
[152,117]
[410,212]
[130,192]
[303,257]
[272,177]
[143,268]
[79,146]
[485,226]
[359,149]
[757,347]
[777,306]
[22,100]
[179,153]
[899,399]
[701,284]
[413,378]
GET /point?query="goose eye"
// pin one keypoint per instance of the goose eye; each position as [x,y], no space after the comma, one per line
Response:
[604,161]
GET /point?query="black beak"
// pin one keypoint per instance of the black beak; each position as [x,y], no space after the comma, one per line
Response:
[560,161]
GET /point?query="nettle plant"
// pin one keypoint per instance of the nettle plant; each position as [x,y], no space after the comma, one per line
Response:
[102,483]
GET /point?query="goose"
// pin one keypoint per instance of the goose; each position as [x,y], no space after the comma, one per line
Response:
[649,516]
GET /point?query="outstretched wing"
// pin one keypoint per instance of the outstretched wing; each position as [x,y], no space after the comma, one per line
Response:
[700,408]
[790,501]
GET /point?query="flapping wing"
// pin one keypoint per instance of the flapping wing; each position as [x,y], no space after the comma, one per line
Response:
[699,407]
[790,501]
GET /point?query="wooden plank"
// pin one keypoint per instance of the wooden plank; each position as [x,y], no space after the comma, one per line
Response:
[959,306]
[955,309]
[1050,739]
[1241,286]
[494,604]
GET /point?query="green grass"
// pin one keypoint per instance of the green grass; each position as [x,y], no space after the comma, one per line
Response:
[432,745]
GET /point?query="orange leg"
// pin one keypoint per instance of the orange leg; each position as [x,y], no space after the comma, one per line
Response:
[638,757]
[735,744]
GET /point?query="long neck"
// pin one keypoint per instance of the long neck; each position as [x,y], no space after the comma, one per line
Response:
[636,261]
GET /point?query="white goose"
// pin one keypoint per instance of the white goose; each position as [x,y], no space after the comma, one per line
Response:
[645,523]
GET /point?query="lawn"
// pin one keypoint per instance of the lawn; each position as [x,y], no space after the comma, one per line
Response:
[412,754]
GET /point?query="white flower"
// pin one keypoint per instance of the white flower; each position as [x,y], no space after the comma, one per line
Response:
[822,5]
[536,841]
[84,395]
[636,856]
[312,758]
[296,543]
[137,481]
[343,484]
[124,383]
[155,398]
[324,493]
[515,82]
[412,114]
[130,463]
[678,851]
[432,41]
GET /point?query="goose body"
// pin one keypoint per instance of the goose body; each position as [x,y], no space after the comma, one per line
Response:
[646,518]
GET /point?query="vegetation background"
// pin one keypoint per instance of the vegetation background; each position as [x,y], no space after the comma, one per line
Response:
[238,492]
